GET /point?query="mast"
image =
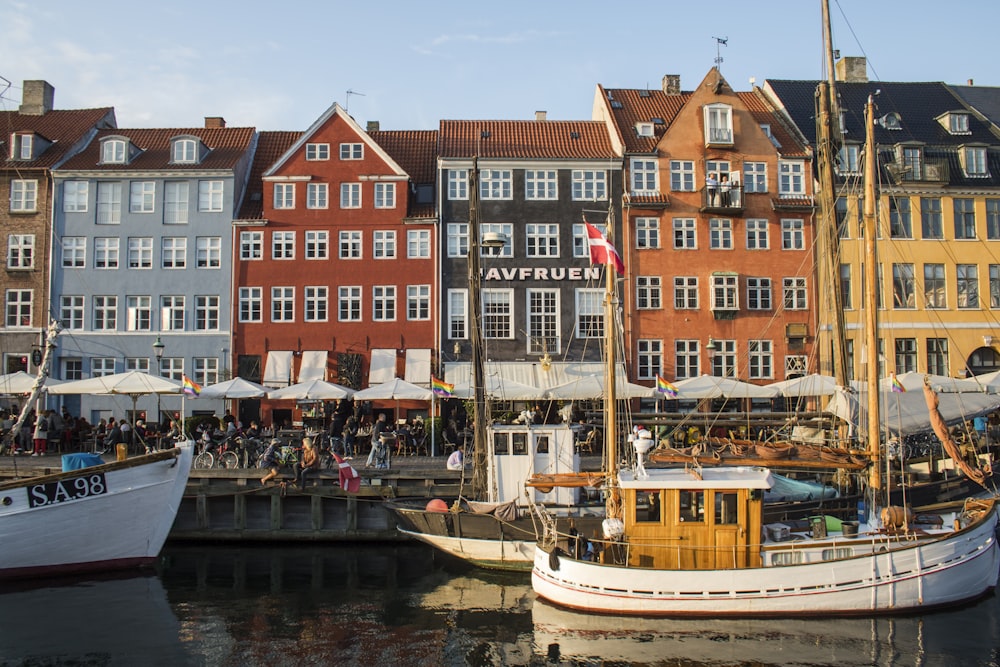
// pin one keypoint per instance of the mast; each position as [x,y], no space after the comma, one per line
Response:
[36,389]
[613,502]
[480,455]
[871,297]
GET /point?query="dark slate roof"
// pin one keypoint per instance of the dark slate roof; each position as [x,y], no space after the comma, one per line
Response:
[63,127]
[270,147]
[226,144]
[525,139]
[984,99]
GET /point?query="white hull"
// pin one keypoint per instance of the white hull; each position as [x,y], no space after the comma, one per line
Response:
[496,554]
[120,526]
[935,571]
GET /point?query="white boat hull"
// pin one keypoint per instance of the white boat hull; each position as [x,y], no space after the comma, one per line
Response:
[113,516]
[495,554]
[931,572]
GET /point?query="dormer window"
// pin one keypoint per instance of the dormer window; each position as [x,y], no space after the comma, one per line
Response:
[766,129]
[22,147]
[644,129]
[890,121]
[113,151]
[184,151]
[974,161]
[847,159]
[718,124]
[958,123]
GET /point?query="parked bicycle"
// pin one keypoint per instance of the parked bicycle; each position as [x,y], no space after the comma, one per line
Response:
[230,452]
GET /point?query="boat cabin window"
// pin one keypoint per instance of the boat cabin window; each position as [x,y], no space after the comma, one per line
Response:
[647,506]
[501,443]
[692,506]
[725,508]
[838,553]
[520,441]
[542,444]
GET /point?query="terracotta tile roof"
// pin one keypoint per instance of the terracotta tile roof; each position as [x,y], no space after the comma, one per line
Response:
[789,143]
[630,106]
[63,127]
[270,146]
[227,144]
[791,203]
[414,150]
[655,201]
[530,139]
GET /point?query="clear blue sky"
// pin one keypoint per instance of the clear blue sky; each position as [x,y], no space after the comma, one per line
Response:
[278,66]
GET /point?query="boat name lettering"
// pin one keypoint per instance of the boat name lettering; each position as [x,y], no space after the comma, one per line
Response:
[543,273]
[52,493]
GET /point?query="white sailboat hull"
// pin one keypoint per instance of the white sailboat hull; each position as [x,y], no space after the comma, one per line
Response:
[922,574]
[496,554]
[106,517]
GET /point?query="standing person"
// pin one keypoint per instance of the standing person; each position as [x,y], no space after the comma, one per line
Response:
[308,464]
[350,434]
[41,435]
[724,189]
[712,189]
[378,428]
[269,461]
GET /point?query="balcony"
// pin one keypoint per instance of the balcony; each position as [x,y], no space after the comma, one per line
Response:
[725,199]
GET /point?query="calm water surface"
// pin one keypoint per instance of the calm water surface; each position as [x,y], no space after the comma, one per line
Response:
[387,605]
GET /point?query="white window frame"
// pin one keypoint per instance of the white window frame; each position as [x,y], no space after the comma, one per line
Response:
[685,233]
[758,234]
[541,185]
[498,314]
[541,240]
[317,244]
[316,303]
[543,314]
[205,370]
[138,313]
[114,151]
[350,245]
[506,230]
[795,293]
[644,176]
[793,234]
[649,358]
[648,292]
[418,243]
[20,251]
[251,246]
[686,295]
[687,358]
[760,294]
[350,195]
[317,152]
[18,308]
[725,293]
[352,151]
[109,203]
[175,203]
[383,303]
[385,195]
[590,184]
[458,184]
[760,361]
[682,176]
[184,151]
[349,303]
[102,366]
[720,234]
[72,311]
[647,233]
[140,252]
[74,252]
[105,308]
[755,177]
[791,178]
[383,244]
[173,253]
[418,302]
[76,196]
[251,304]
[282,303]
[458,314]
[210,196]
[137,364]
[317,196]
[23,195]
[173,312]
[974,161]
[208,252]
[283,245]
[284,196]
[107,253]
[496,184]
[207,312]
[589,313]
[142,196]
[718,124]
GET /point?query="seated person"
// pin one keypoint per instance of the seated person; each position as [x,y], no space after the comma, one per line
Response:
[456,461]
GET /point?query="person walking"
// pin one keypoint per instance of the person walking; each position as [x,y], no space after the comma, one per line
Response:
[269,461]
[307,465]
[41,434]
[378,429]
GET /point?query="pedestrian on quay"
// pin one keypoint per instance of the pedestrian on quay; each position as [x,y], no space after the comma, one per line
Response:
[308,464]
[41,435]
[269,461]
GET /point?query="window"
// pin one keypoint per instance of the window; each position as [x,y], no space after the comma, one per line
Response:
[418,302]
[184,151]
[317,244]
[540,184]
[724,359]
[974,159]
[418,244]
[903,286]
[350,245]
[208,252]
[105,253]
[282,304]
[458,239]
[757,234]
[23,196]
[384,244]
[317,152]
[934,286]
[541,240]
[140,253]
[138,364]
[931,226]
[759,293]
[647,233]
[993,219]
[71,312]
[74,252]
[847,159]
[23,147]
[718,124]
[174,253]
[495,183]
[900,226]
[19,308]
[72,369]
[724,292]
[251,245]
[101,366]
[75,196]
[282,245]
[543,321]
[498,313]
[755,176]
[210,196]
[967,278]
[206,313]
[589,185]
[383,303]
[206,370]
[504,229]
[761,359]
[385,195]
[142,196]
[648,292]
[458,184]
[172,312]
[644,173]
[937,356]
[793,235]
[958,123]
[109,203]
[352,151]
[994,285]
[105,313]
[720,234]
[317,195]
[682,175]
[791,178]
[458,308]
[172,367]
[350,304]
[687,359]
[350,195]
[843,224]
[906,355]
[686,292]
[250,304]
[316,304]
[284,195]
[581,243]
[20,251]
[113,151]
[965,218]
[685,234]
[794,293]
[138,313]
[913,164]
[650,358]
[589,313]
[175,203]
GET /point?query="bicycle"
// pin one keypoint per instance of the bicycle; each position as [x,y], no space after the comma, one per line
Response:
[224,454]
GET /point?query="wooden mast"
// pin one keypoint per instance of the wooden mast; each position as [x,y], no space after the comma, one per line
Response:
[613,501]
[480,455]
[871,297]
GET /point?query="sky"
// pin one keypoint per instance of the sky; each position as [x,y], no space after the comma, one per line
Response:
[409,64]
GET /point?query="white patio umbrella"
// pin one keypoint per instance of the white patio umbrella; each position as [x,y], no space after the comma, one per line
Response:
[710,386]
[129,383]
[235,389]
[501,389]
[912,381]
[807,385]
[593,387]
[20,383]
[395,389]
[312,390]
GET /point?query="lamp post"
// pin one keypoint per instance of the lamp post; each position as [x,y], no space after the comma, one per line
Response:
[158,353]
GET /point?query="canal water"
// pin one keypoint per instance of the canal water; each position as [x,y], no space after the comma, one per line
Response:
[389,605]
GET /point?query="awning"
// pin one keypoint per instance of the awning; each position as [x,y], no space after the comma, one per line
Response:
[418,366]
[530,373]
[313,365]
[278,368]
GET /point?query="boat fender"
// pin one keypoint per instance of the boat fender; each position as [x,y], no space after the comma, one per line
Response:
[554,559]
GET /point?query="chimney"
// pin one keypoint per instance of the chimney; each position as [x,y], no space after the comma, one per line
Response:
[36,98]
[672,84]
[372,126]
[541,116]
[970,83]
[214,122]
[852,69]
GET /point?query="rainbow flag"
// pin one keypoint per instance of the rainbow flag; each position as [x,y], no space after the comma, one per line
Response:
[189,386]
[897,386]
[665,387]
[442,388]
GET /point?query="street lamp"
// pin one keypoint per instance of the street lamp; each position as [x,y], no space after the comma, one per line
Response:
[158,353]
[710,348]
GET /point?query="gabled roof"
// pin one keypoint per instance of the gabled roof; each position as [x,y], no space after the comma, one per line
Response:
[270,146]
[638,105]
[525,139]
[226,146]
[414,150]
[984,99]
[63,127]
[765,114]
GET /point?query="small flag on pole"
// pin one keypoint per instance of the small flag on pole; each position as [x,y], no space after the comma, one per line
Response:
[190,387]
[897,386]
[665,387]
[601,250]
[442,388]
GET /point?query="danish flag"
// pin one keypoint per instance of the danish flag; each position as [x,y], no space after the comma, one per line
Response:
[350,481]
[601,251]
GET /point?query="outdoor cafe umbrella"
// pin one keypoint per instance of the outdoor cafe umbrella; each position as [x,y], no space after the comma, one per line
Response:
[501,389]
[311,390]
[20,383]
[394,390]
[807,385]
[236,388]
[593,387]
[711,386]
[130,383]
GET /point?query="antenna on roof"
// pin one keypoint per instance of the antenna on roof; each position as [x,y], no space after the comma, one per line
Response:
[719,41]
[347,102]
